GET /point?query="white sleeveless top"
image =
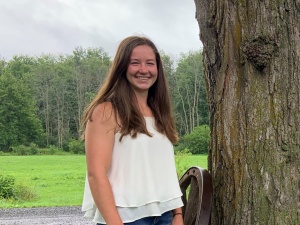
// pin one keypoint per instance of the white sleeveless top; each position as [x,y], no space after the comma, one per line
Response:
[142,175]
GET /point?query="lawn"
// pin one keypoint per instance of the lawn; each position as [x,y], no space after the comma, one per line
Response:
[59,180]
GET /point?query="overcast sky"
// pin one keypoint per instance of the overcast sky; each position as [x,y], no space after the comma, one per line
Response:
[34,27]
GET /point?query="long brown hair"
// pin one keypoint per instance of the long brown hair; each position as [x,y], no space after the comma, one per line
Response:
[116,89]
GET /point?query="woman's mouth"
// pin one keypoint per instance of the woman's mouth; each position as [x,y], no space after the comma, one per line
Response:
[143,78]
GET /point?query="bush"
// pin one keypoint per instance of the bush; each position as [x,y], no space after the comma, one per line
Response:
[54,149]
[10,190]
[197,142]
[21,150]
[76,146]
[7,187]
[4,153]
[32,149]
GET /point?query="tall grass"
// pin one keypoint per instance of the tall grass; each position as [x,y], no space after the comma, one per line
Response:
[59,180]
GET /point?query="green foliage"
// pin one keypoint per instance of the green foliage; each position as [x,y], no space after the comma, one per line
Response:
[189,93]
[4,153]
[32,149]
[2,66]
[63,86]
[43,97]
[20,66]
[7,187]
[13,191]
[18,122]
[76,146]
[53,150]
[20,150]
[196,142]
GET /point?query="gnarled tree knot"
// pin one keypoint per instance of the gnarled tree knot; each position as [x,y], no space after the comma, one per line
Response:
[259,51]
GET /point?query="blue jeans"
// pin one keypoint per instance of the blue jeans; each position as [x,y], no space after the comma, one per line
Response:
[164,219]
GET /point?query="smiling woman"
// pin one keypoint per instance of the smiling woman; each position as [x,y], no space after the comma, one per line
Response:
[129,132]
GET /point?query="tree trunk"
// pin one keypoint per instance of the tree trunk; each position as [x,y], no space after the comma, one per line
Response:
[252,68]
[45,97]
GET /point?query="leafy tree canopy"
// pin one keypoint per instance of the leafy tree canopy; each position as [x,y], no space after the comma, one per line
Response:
[18,121]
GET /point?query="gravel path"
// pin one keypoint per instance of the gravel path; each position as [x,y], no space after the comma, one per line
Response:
[35,216]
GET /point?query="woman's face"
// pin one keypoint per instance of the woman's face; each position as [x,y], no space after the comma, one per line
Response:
[142,69]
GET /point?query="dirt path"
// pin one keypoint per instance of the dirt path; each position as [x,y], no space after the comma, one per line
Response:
[37,216]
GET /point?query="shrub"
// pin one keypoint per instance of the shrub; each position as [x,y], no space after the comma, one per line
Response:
[7,187]
[197,142]
[33,149]
[4,153]
[45,151]
[76,146]
[21,150]
[54,149]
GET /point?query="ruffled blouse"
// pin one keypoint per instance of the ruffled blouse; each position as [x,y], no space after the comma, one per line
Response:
[142,176]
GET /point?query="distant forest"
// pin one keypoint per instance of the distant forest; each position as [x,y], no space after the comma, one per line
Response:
[42,98]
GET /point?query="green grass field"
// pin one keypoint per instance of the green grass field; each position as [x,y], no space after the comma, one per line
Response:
[59,180]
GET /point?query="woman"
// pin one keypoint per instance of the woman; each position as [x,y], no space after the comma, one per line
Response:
[129,134]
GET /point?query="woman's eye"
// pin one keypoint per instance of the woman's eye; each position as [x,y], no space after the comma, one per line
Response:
[150,63]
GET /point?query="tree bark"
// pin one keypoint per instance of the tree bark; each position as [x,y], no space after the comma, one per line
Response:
[252,67]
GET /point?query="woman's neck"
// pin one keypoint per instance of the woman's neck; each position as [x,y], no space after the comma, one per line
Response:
[143,106]
[142,99]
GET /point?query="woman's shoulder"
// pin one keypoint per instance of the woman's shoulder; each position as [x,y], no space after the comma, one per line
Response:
[104,112]
[104,107]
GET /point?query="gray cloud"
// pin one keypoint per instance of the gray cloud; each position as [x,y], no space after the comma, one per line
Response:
[33,27]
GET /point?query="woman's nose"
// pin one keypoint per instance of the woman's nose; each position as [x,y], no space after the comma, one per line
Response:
[143,68]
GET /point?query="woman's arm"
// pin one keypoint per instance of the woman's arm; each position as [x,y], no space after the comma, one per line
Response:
[99,141]
[177,217]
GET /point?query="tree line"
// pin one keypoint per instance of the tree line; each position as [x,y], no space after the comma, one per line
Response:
[42,98]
